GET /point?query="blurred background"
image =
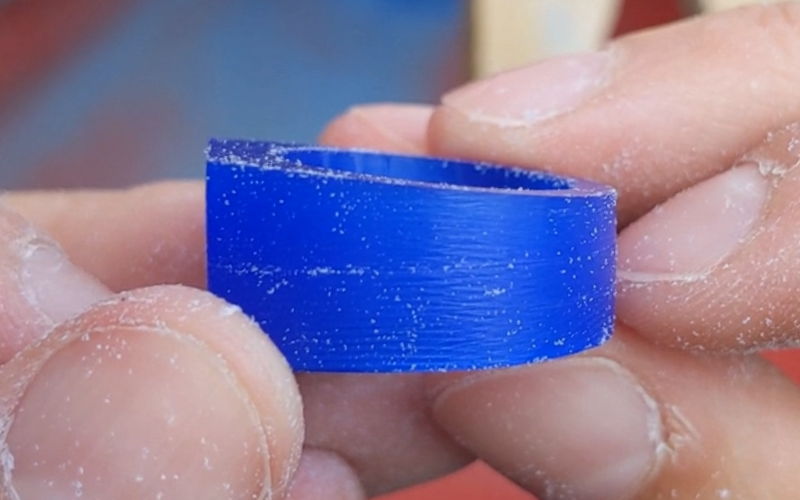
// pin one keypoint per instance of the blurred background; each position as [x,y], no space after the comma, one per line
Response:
[107,93]
[112,92]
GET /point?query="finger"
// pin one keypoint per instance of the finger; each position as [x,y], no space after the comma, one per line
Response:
[97,229]
[653,114]
[632,421]
[39,286]
[715,267]
[395,128]
[324,475]
[148,235]
[381,425]
[160,393]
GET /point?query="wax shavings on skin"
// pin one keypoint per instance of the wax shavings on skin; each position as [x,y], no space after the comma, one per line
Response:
[112,351]
[681,432]
[770,168]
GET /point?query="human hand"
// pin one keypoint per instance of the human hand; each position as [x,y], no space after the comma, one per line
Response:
[164,391]
[630,417]
[161,392]
[696,124]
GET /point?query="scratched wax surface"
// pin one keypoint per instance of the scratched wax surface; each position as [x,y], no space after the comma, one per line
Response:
[368,262]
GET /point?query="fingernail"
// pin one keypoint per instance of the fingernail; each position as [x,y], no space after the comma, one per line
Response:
[139,413]
[684,238]
[40,287]
[535,93]
[52,284]
[581,428]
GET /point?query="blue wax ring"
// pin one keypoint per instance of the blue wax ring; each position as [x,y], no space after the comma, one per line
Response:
[356,261]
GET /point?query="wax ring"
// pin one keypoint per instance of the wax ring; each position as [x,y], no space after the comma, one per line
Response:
[357,261]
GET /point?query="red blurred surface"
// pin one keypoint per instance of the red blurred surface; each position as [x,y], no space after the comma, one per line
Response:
[639,14]
[478,482]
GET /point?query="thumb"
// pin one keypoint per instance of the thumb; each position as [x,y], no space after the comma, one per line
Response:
[631,421]
[164,393]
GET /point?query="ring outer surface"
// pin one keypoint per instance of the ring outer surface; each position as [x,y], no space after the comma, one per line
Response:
[358,261]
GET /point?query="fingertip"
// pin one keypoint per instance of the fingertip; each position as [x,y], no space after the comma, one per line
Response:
[713,268]
[577,428]
[630,420]
[394,128]
[637,127]
[147,235]
[167,392]
[322,474]
[357,416]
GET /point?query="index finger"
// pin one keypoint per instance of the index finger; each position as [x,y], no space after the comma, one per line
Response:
[147,235]
[653,114]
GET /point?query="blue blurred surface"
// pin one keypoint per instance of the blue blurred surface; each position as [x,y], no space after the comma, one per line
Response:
[141,103]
